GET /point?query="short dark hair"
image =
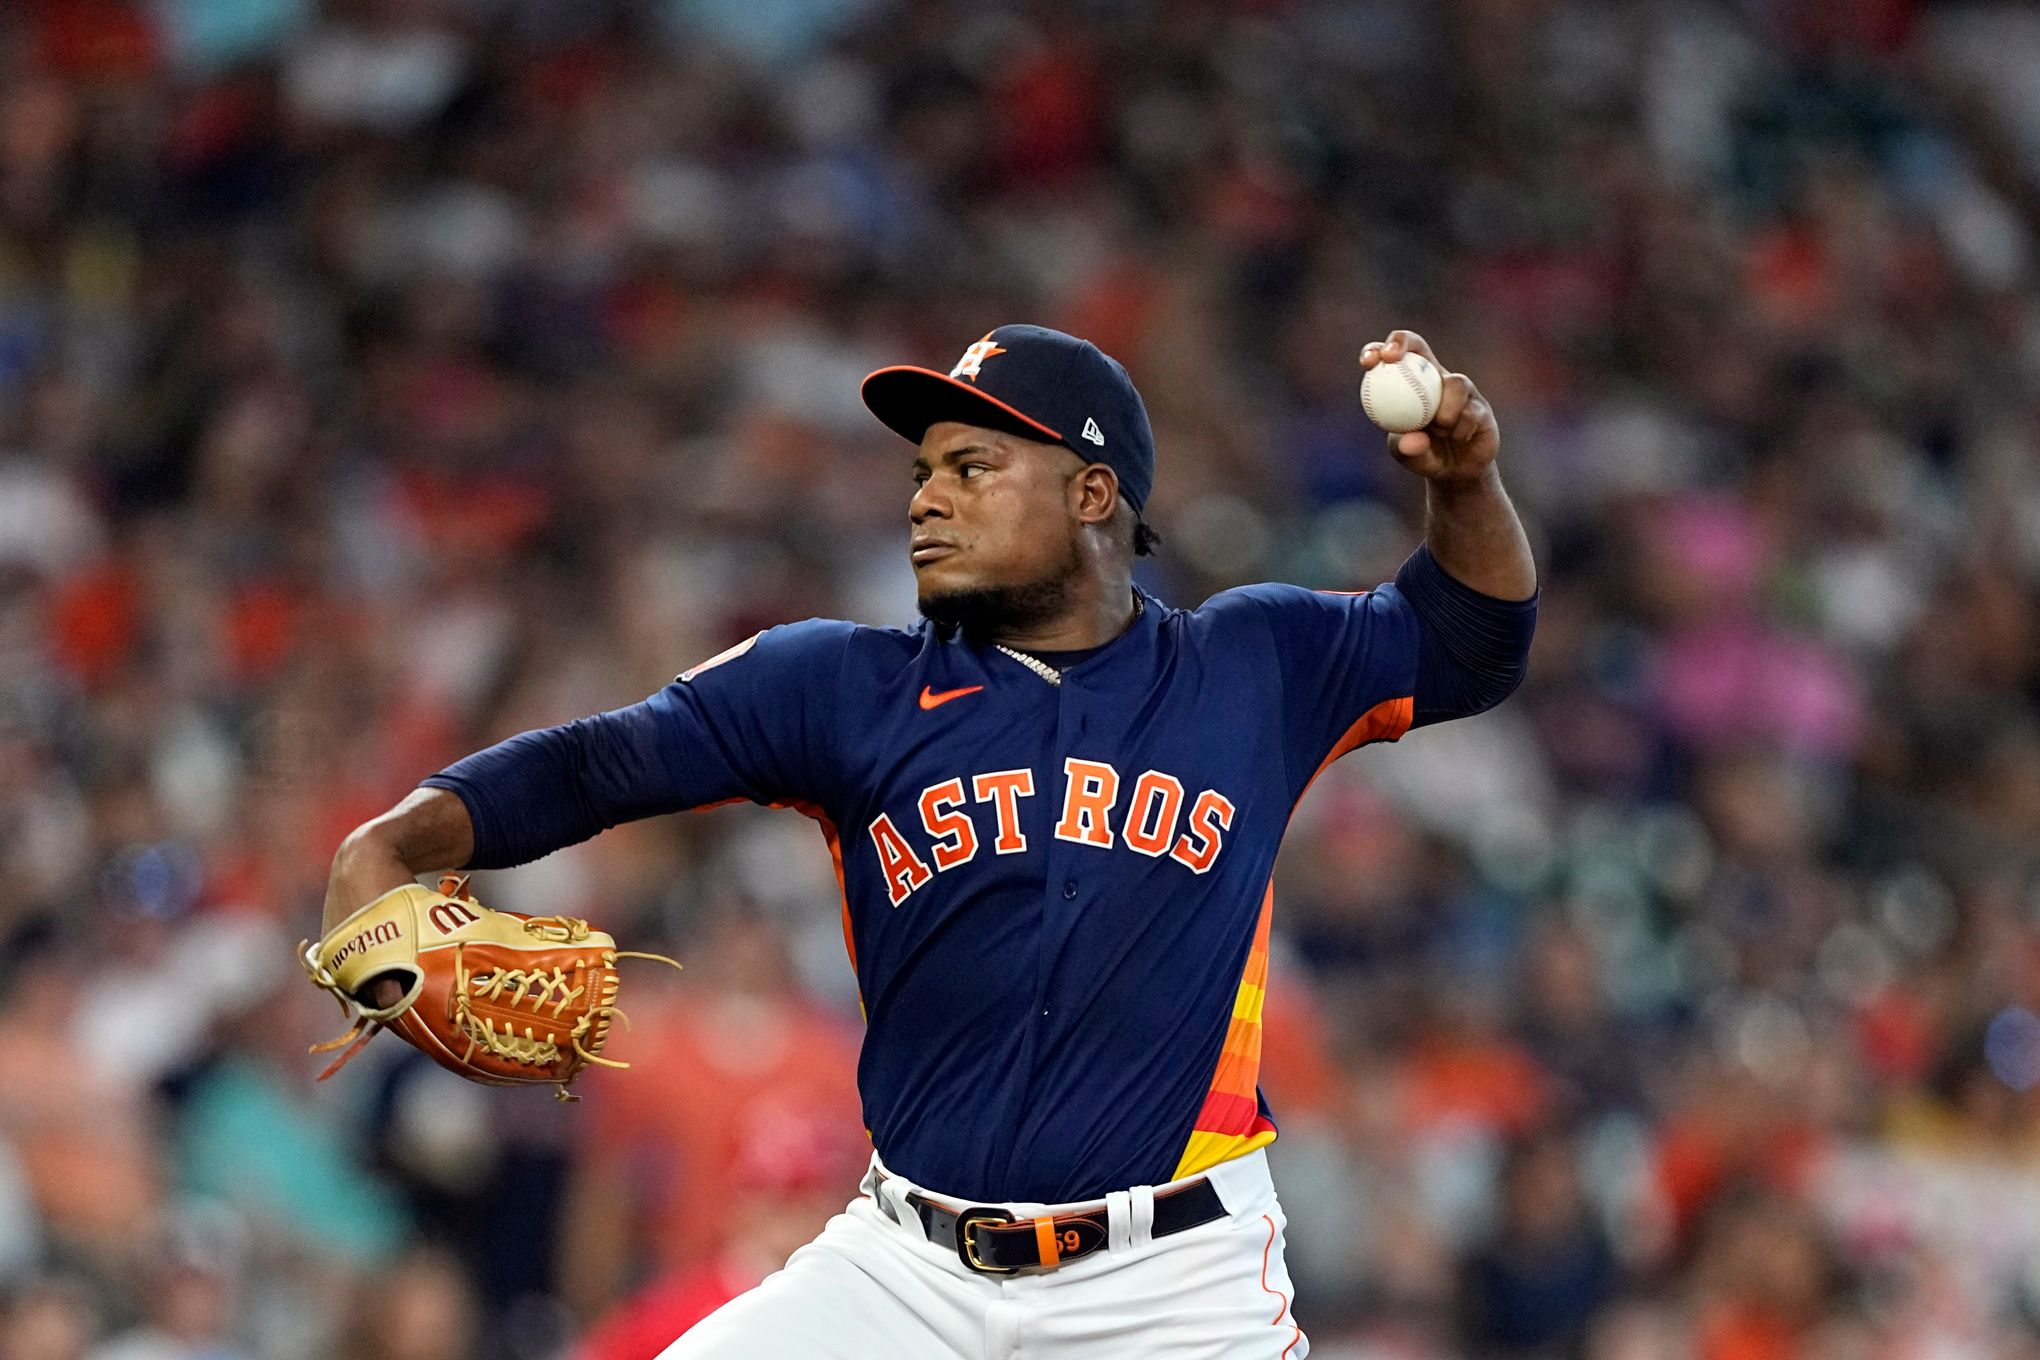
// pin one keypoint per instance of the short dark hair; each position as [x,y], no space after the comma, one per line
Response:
[1145,539]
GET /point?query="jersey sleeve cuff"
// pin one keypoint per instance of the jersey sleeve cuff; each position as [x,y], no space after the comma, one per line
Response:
[1423,581]
[479,819]
[1474,648]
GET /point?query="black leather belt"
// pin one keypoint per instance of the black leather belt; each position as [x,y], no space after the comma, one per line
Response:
[991,1241]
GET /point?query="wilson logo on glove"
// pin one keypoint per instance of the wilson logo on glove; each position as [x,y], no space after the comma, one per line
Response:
[382,934]
[448,917]
[496,996]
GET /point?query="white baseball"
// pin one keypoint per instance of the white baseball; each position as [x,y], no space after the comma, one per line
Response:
[1402,396]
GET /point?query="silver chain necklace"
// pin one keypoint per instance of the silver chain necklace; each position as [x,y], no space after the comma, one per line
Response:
[1033,663]
[1042,668]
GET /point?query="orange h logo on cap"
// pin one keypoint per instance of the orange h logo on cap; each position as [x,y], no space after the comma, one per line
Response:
[967,366]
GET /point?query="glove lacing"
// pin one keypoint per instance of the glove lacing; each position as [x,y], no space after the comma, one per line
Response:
[535,989]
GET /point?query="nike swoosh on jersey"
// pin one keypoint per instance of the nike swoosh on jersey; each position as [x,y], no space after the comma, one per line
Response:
[929,699]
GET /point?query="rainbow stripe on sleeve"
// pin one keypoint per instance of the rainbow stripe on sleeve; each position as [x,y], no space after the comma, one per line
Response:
[1231,1123]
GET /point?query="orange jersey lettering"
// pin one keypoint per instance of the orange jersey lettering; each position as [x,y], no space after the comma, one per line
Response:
[955,838]
[902,868]
[1090,788]
[1209,821]
[1152,812]
[1004,789]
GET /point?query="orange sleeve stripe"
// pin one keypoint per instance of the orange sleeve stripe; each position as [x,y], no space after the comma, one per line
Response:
[1243,1040]
[1237,1078]
[836,855]
[1385,721]
[1236,1086]
[1238,1027]
[835,843]
[725,802]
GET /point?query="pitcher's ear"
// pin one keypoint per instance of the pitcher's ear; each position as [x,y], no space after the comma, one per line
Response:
[1096,491]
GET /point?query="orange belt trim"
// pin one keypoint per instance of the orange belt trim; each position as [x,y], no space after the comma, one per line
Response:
[1044,1238]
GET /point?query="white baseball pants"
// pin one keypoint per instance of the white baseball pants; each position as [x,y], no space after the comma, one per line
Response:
[870,1288]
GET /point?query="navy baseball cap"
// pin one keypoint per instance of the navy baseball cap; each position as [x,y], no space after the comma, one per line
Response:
[1034,382]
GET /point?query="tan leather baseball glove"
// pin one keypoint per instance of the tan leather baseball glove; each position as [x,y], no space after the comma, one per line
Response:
[496,996]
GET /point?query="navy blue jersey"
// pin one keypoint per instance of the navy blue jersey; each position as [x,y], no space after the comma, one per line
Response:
[1056,897]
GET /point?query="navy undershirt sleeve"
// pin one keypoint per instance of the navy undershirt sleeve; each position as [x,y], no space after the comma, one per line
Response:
[1472,649]
[757,723]
[543,790]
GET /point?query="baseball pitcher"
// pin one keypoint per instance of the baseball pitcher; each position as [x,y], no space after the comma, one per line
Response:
[1054,806]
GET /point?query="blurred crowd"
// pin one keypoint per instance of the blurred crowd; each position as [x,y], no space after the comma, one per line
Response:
[379,378]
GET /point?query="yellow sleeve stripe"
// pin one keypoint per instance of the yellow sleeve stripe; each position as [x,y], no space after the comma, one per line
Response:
[1207,1150]
[1247,1005]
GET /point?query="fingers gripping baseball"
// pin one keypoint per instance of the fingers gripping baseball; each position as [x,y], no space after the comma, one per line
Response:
[1463,438]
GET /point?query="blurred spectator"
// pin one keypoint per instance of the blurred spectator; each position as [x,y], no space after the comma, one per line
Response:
[48,1319]
[191,1286]
[1764,1282]
[747,1070]
[419,1306]
[1536,1286]
[787,1181]
[256,1136]
[20,1225]
[85,1143]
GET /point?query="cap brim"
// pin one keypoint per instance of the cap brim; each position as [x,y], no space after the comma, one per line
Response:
[908,400]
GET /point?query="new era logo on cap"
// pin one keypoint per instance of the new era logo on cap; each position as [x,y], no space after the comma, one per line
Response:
[1045,386]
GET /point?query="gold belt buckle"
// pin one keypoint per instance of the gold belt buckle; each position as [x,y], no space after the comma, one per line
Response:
[967,1249]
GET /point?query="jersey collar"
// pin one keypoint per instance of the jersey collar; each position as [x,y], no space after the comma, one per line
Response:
[1132,647]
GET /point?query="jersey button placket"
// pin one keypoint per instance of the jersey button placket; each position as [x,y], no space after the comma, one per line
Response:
[1059,879]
